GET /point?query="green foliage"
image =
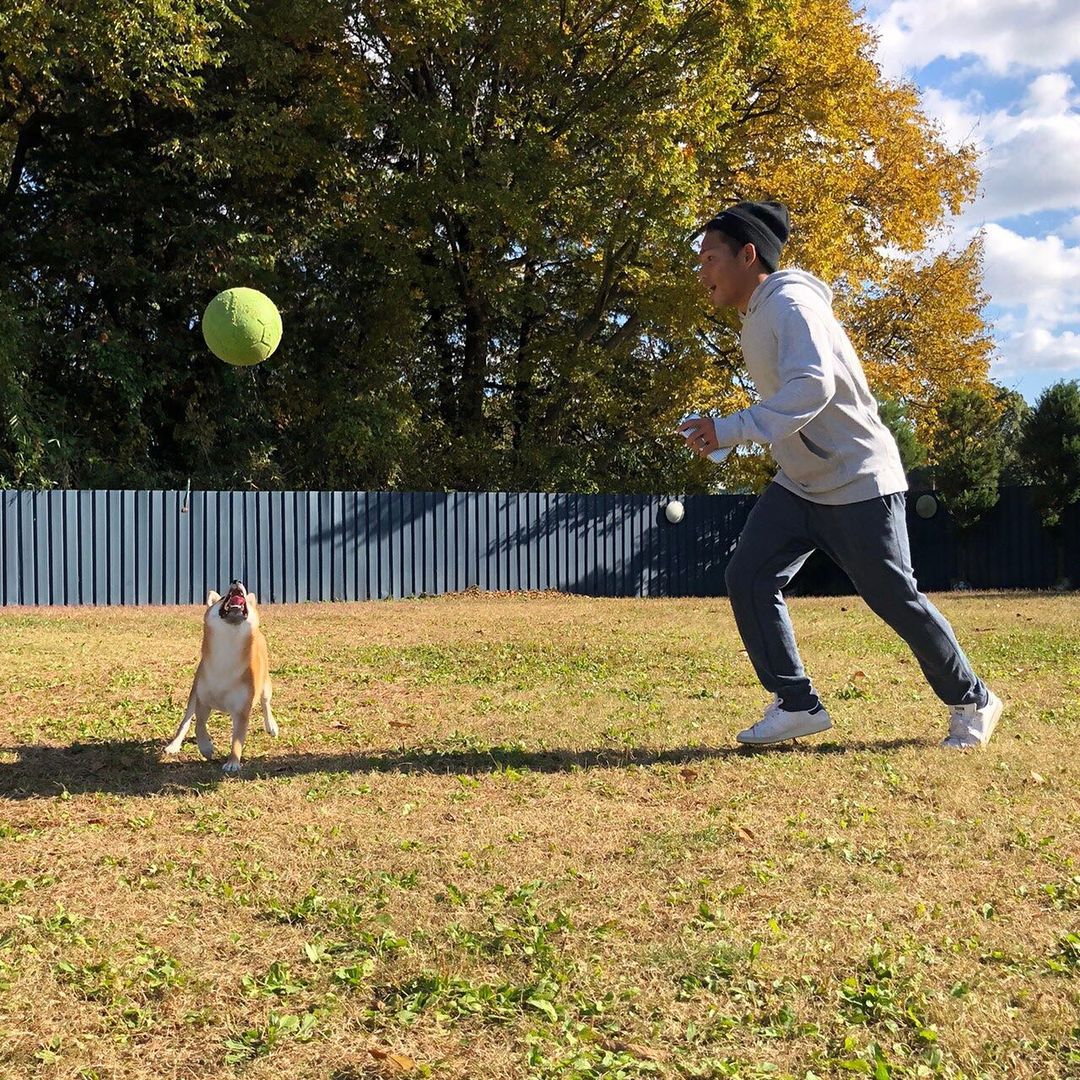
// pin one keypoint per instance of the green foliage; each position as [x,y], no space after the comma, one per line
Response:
[913,454]
[967,455]
[1050,445]
[474,218]
[1014,413]
[260,1040]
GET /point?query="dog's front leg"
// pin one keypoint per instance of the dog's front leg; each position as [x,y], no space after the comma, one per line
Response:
[239,734]
[202,732]
[182,729]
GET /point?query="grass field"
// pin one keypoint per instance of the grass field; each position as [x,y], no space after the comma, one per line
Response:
[511,836]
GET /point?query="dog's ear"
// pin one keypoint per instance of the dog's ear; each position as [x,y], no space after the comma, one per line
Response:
[212,598]
[252,599]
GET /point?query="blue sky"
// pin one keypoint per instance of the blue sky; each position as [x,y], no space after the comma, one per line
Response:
[1004,75]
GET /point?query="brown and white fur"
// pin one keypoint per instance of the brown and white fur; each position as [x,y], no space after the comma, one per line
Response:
[233,674]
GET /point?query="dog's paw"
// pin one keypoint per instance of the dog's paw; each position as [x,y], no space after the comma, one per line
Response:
[173,747]
[231,768]
[271,728]
[207,750]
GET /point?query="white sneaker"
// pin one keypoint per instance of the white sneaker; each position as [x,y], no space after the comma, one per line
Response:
[779,726]
[971,727]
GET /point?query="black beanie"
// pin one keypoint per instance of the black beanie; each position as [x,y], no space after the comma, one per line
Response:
[764,224]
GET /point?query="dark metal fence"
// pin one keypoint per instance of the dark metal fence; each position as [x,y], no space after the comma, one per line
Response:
[165,547]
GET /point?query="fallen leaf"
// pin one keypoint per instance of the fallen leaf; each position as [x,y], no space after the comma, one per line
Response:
[689,775]
[340,724]
[1038,778]
[398,1062]
[399,724]
[858,675]
[642,1053]
[744,833]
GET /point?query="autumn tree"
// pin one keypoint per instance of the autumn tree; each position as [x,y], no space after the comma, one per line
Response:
[478,221]
[920,334]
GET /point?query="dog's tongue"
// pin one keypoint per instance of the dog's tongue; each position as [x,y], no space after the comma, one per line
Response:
[236,600]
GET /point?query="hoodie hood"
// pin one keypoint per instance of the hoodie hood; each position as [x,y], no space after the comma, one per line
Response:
[797,284]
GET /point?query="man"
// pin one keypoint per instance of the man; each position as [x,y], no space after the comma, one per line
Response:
[840,487]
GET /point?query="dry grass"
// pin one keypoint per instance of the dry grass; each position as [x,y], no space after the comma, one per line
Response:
[510,837]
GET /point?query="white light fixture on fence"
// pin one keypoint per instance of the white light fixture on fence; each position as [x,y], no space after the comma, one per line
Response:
[926,506]
[674,511]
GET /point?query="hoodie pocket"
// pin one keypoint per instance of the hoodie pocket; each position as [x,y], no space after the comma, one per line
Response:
[814,449]
[805,462]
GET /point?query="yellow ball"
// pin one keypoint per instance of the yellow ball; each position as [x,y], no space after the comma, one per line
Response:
[241,326]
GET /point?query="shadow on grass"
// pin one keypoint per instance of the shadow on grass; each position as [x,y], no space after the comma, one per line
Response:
[137,767]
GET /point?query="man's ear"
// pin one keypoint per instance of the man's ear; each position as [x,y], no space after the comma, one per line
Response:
[212,598]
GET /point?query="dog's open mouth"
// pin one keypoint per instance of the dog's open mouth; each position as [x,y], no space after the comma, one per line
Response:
[234,606]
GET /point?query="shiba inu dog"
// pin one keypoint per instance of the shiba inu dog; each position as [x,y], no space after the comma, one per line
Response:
[233,674]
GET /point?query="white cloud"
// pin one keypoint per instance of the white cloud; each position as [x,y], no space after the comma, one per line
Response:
[1029,156]
[1034,168]
[1049,95]
[1036,280]
[1037,351]
[1041,35]
[1041,275]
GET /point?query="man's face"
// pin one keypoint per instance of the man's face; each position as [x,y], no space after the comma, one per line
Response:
[722,273]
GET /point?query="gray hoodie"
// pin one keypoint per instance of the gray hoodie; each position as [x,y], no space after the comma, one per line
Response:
[816,412]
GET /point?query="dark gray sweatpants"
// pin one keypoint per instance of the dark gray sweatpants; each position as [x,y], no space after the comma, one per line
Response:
[869,542]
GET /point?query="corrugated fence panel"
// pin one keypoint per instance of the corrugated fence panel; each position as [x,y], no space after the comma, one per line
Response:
[9,548]
[171,547]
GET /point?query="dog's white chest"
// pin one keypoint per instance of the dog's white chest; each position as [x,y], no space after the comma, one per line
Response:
[226,680]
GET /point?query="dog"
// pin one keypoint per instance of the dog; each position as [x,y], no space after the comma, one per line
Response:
[233,674]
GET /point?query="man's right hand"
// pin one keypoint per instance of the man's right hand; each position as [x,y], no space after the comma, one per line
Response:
[700,435]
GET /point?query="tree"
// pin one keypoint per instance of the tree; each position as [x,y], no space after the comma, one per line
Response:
[966,455]
[1014,413]
[81,93]
[169,154]
[912,452]
[1050,445]
[895,324]
[476,218]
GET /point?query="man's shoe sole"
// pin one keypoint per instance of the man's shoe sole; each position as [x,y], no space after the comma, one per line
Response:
[813,726]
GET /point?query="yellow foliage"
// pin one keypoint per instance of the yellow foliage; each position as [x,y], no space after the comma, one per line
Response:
[868,180]
[920,333]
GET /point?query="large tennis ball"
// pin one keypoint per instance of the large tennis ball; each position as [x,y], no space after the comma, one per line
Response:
[241,326]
